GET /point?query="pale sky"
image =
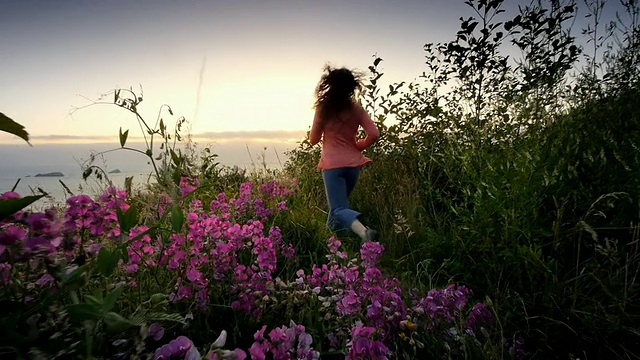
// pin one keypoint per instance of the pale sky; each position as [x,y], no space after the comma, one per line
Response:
[260,59]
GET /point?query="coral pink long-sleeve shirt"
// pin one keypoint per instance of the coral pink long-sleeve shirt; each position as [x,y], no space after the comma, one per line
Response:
[340,146]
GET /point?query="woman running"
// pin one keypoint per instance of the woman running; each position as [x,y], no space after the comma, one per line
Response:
[338,117]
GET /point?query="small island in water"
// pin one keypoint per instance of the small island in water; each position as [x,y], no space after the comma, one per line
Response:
[50,174]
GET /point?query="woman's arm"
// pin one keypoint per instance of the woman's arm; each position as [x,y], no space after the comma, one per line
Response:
[316,129]
[370,129]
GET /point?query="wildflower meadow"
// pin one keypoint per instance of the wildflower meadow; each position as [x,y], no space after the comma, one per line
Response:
[144,283]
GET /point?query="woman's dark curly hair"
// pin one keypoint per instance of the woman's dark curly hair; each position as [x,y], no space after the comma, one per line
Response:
[336,90]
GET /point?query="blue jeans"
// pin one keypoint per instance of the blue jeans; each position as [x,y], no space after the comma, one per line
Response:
[338,185]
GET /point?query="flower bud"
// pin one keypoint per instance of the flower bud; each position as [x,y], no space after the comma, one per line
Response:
[221,340]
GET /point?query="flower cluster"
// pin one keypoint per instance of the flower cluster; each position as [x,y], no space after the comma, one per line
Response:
[262,203]
[188,185]
[208,249]
[29,235]
[178,348]
[355,296]
[34,235]
[445,306]
[97,218]
[443,322]
[356,289]
[516,348]
[215,244]
[272,189]
[364,345]
[141,250]
[442,305]
[284,343]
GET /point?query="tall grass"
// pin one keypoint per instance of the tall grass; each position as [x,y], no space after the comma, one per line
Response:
[527,191]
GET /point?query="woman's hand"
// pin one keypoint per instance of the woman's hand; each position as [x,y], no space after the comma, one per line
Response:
[370,130]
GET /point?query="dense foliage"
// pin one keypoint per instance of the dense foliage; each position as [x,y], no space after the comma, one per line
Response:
[518,177]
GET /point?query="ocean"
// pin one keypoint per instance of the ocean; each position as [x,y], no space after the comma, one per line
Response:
[20,163]
[30,185]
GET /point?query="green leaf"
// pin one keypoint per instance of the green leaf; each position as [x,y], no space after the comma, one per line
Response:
[127,220]
[124,245]
[586,227]
[128,184]
[86,173]
[158,298]
[94,300]
[15,185]
[83,312]
[66,188]
[12,127]
[123,137]
[175,158]
[166,317]
[107,261]
[124,254]
[9,207]
[116,322]
[75,276]
[138,319]
[165,240]
[131,217]
[110,300]
[176,175]
[177,219]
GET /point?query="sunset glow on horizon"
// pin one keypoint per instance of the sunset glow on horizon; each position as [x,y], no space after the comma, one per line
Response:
[259,61]
[226,66]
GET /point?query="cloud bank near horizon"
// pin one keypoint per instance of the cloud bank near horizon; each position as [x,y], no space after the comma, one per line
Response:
[262,136]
